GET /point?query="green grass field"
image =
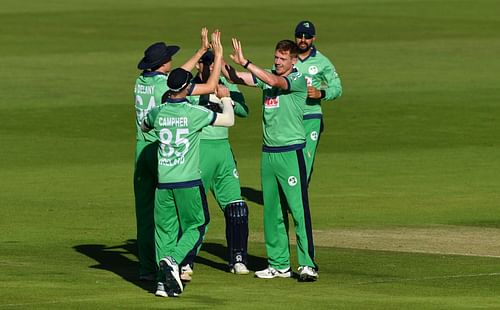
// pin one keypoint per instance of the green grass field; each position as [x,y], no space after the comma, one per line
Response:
[405,194]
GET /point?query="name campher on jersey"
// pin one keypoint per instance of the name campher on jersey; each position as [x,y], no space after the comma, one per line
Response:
[173,121]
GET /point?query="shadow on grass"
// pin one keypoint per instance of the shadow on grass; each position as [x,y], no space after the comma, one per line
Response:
[219,250]
[114,259]
[253,195]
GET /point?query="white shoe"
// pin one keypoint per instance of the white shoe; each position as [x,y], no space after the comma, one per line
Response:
[240,268]
[307,274]
[170,269]
[186,273]
[160,290]
[271,272]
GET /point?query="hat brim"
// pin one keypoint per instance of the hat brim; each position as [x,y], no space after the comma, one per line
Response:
[165,57]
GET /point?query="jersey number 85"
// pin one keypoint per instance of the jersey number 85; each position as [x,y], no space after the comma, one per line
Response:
[177,148]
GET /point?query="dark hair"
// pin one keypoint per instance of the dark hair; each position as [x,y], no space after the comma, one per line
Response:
[157,67]
[288,46]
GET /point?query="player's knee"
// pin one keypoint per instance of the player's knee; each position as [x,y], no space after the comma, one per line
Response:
[237,212]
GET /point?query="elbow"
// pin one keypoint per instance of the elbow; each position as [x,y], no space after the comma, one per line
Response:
[275,81]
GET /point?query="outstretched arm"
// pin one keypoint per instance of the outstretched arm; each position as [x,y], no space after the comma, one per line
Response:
[267,77]
[237,77]
[191,63]
[213,80]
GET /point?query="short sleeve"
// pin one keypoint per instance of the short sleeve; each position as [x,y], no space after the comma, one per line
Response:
[296,82]
[201,117]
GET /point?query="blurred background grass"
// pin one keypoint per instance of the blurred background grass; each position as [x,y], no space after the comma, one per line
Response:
[413,141]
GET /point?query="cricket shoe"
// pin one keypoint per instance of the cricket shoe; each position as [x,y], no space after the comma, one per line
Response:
[307,274]
[271,272]
[186,273]
[160,290]
[239,268]
[172,281]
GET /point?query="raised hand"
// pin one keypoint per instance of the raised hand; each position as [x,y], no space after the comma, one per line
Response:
[237,55]
[205,45]
[216,44]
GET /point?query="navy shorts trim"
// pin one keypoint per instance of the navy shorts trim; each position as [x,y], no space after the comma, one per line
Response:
[186,184]
[280,149]
[313,116]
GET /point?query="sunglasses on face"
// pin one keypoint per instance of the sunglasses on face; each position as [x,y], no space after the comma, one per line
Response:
[303,35]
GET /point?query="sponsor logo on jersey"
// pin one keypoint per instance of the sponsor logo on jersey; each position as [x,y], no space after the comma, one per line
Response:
[272,102]
[235,173]
[314,135]
[312,70]
[292,181]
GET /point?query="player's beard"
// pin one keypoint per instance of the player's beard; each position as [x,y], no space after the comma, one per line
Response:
[304,47]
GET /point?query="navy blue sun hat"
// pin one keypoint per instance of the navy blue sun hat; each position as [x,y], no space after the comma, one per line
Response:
[157,54]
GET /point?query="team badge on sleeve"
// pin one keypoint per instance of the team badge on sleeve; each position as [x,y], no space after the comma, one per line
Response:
[314,135]
[292,180]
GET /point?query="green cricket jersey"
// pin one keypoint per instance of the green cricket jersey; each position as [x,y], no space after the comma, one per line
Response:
[282,111]
[319,73]
[177,125]
[148,91]
[240,109]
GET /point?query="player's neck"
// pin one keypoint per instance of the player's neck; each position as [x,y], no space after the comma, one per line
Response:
[305,54]
[287,72]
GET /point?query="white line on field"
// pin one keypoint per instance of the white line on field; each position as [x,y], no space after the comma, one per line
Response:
[458,276]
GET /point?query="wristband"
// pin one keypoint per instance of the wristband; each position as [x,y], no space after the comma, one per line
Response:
[246,65]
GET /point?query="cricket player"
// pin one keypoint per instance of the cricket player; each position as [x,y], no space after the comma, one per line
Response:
[149,88]
[283,168]
[219,173]
[323,83]
[180,213]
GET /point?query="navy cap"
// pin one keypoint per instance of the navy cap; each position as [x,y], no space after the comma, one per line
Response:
[157,54]
[207,58]
[305,27]
[178,79]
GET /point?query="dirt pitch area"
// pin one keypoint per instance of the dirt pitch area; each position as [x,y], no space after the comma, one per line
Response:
[448,240]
